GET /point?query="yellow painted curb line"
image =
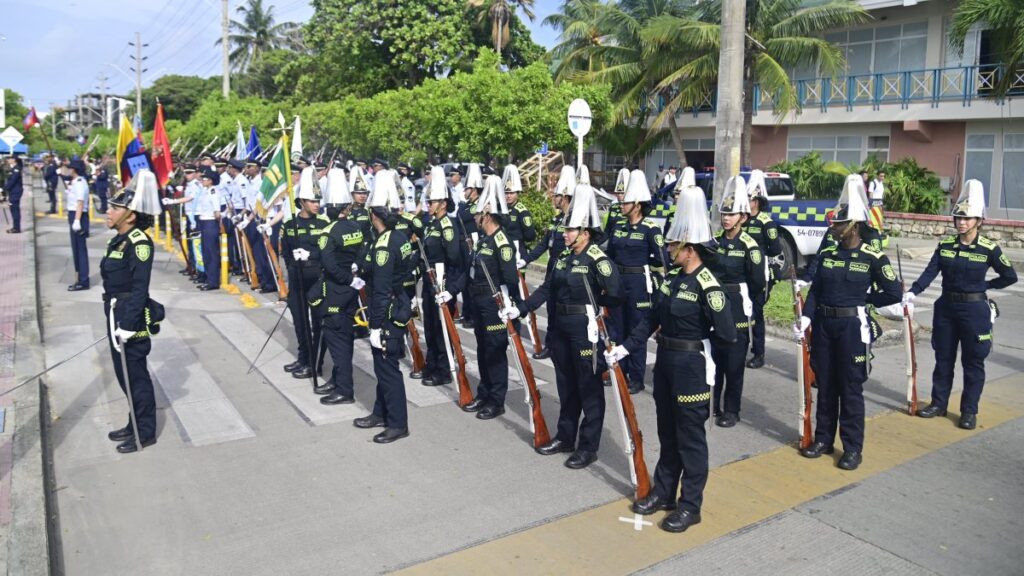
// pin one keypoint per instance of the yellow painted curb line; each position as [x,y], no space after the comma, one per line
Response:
[739,494]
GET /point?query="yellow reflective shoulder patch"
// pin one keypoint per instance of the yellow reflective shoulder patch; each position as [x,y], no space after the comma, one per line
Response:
[888,272]
[716,299]
[382,257]
[136,235]
[143,252]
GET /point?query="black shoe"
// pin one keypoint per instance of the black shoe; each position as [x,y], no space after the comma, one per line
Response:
[817,449]
[76,287]
[635,387]
[417,375]
[267,290]
[14,230]
[727,420]
[128,446]
[430,381]
[389,435]
[121,434]
[337,398]
[303,372]
[467,324]
[543,354]
[851,460]
[293,366]
[208,288]
[581,459]
[324,388]
[756,362]
[442,380]
[554,447]
[931,411]
[679,521]
[490,412]
[968,421]
[371,421]
[652,504]
[475,406]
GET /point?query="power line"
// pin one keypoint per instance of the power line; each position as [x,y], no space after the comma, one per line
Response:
[180,29]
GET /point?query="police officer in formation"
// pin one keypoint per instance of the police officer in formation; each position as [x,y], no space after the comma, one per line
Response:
[850,276]
[963,313]
[739,266]
[691,307]
[132,317]
[581,270]
[208,218]
[78,217]
[301,248]
[615,217]
[553,241]
[336,295]
[388,263]
[493,267]
[467,225]
[636,246]
[443,246]
[763,229]
[13,188]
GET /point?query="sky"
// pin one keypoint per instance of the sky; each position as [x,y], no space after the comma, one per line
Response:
[54,49]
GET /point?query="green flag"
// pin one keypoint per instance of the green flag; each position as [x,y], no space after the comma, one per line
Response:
[275,176]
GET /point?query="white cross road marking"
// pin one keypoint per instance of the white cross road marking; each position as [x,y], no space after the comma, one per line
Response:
[637,521]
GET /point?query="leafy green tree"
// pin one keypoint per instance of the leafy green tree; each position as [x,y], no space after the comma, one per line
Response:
[781,35]
[257,33]
[219,117]
[268,76]
[1005,21]
[180,95]
[361,46]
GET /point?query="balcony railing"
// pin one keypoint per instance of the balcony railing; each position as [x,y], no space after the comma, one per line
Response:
[964,84]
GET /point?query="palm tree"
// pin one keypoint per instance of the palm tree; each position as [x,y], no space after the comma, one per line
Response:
[1005,18]
[781,35]
[257,33]
[500,12]
[576,23]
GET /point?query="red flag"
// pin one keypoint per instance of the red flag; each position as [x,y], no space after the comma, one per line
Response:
[31,119]
[162,160]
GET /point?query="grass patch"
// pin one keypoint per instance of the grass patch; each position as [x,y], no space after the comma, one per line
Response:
[779,308]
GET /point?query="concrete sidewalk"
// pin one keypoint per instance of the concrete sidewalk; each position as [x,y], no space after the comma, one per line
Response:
[251,475]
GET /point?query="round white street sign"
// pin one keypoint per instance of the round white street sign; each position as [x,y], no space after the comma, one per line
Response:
[579,117]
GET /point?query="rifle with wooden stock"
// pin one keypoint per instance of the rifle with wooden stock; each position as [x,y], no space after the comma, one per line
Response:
[452,340]
[531,318]
[804,373]
[282,285]
[909,345]
[633,438]
[537,424]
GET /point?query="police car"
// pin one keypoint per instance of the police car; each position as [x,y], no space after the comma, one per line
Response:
[802,223]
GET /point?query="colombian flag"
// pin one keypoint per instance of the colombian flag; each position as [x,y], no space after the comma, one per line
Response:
[127,143]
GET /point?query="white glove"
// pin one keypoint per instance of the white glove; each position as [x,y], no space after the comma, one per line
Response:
[355,268]
[615,354]
[908,298]
[121,335]
[242,224]
[262,229]
[375,339]
[236,218]
[166,201]
[179,188]
[358,283]
[300,254]
[76,226]
[892,311]
[520,264]
[508,313]
[800,328]
[444,297]
[800,284]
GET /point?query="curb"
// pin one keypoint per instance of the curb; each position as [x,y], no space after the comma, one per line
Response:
[29,545]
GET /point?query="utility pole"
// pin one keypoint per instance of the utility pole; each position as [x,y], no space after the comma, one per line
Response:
[729,115]
[138,69]
[224,48]
[103,98]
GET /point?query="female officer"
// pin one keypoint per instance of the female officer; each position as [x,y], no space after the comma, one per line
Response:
[689,308]
[582,271]
[850,276]
[962,313]
[125,270]
[740,268]
[635,246]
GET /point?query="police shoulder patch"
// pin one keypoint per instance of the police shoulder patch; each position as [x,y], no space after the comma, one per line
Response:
[595,252]
[506,253]
[872,251]
[500,239]
[659,240]
[948,240]
[382,257]
[604,267]
[755,256]
[448,233]
[773,233]
[137,235]
[382,241]
[707,279]
[322,242]
[716,299]
[1004,260]
[143,252]
[527,221]
[888,272]
[986,242]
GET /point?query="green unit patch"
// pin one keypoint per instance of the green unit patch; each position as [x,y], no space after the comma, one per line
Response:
[888,272]
[755,256]
[974,257]
[860,267]
[382,257]
[947,253]
[830,263]
[659,240]
[604,267]
[580,270]
[449,234]
[527,221]
[506,253]
[143,252]
[687,295]
[636,236]
[115,255]
[773,233]
[716,299]
[1004,260]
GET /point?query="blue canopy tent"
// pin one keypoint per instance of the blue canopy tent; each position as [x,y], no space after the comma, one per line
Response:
[18,148]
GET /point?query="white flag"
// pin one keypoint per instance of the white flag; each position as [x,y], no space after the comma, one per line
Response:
[240,144]
[297,139]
